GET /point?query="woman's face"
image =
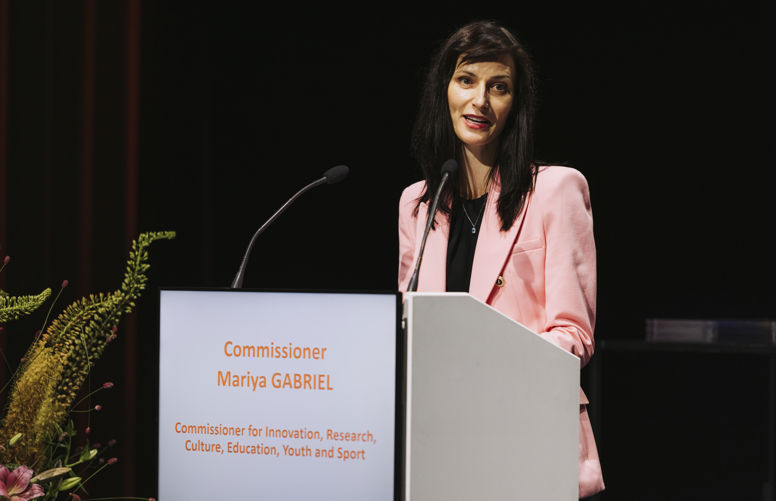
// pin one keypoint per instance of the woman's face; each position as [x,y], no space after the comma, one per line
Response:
[480,97]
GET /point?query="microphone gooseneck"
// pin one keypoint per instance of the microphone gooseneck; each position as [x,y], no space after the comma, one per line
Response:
[448,168]
[331,176]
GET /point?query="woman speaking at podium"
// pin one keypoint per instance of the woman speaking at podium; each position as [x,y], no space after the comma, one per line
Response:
[514,233]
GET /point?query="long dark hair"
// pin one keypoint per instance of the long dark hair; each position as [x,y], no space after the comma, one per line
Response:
[433,137]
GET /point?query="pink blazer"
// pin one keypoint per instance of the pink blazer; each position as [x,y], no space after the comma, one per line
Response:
[541,272]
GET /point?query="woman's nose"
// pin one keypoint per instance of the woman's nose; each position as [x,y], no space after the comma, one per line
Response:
[481,98]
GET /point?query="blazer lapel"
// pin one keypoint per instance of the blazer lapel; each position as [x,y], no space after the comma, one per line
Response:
[493,246]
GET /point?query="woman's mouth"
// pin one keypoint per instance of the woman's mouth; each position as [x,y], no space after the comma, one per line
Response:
[477,122]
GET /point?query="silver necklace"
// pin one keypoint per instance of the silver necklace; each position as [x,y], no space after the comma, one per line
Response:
[474,224]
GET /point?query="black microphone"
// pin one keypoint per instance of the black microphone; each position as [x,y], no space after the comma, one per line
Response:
[336,174]
[331,176]
[448,168]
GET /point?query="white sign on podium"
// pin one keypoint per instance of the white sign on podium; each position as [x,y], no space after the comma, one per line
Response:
[277,395]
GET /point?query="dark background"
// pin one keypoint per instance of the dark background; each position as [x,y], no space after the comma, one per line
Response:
[203,118]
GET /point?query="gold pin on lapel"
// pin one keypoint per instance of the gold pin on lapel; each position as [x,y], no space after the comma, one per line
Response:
[500,281]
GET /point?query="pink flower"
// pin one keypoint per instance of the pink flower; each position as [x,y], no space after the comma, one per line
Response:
[15,485]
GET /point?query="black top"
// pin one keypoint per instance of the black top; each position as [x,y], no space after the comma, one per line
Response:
[465,221]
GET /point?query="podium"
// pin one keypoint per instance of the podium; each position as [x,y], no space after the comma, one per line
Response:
[323,395]
[492,409]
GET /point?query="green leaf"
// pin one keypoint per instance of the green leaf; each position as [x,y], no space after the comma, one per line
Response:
[14,439]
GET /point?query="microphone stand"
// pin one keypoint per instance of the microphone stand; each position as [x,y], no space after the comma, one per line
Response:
[238,279]
[413,286]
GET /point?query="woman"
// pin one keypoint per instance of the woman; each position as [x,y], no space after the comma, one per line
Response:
[514,234]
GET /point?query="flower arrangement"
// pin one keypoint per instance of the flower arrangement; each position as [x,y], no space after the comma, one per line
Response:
[37,433]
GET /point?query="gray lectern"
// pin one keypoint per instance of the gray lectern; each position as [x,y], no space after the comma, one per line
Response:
[492,409]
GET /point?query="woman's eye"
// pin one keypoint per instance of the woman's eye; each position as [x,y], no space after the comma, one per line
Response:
[465,80]
[500,88]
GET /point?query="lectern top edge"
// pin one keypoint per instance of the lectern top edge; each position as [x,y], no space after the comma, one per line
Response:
[421,295]
[261,289]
